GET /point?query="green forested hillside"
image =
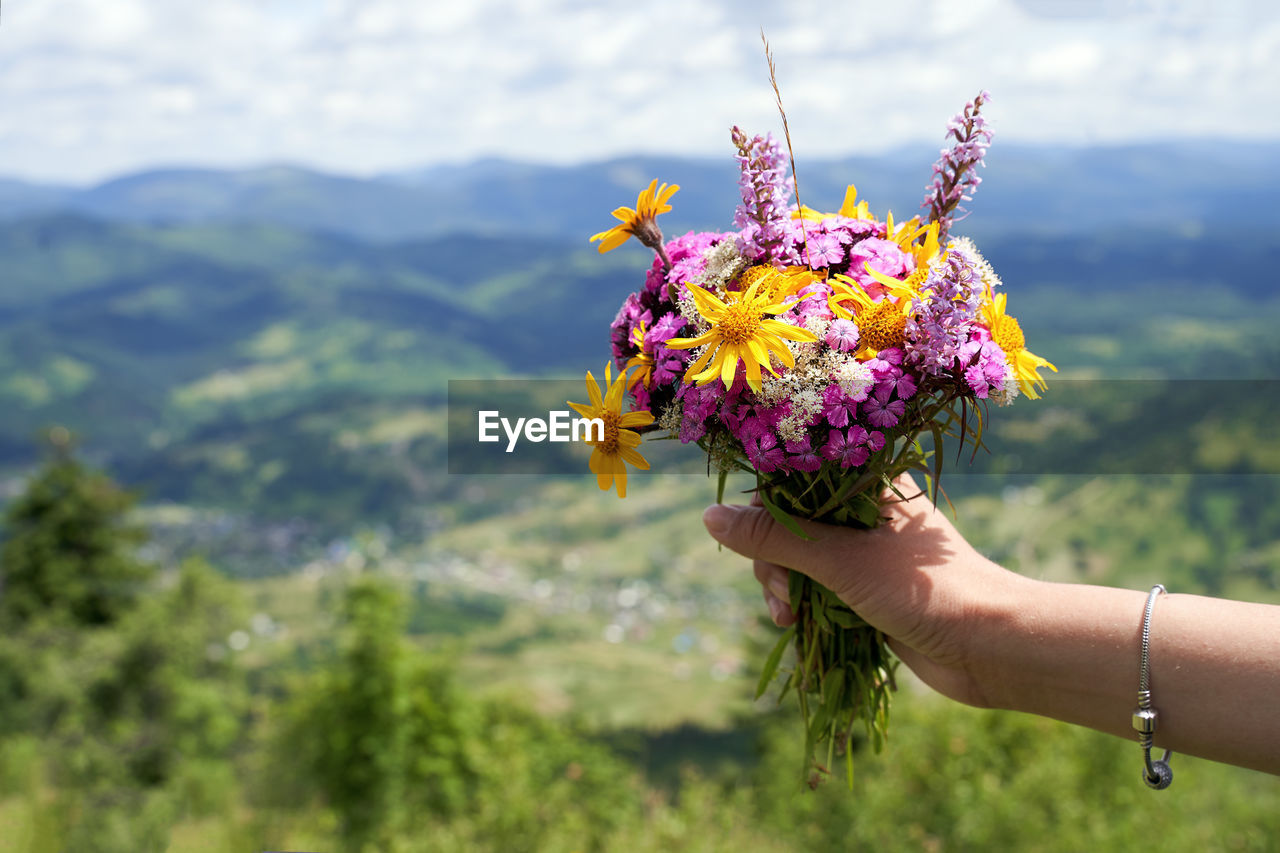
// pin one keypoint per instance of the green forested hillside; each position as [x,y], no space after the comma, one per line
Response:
[433,661]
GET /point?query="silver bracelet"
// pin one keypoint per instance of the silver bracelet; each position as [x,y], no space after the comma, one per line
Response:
[1157,774]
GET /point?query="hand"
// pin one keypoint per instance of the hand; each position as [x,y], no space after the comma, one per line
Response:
[915,578]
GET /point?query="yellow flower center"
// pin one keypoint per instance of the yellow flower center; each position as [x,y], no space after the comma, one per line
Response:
[738,323]
[917,277]
[751,275]
[881,325]
[609,445]
[1008,335]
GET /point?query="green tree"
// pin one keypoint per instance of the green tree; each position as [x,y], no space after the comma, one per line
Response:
[70,551]
[407,760]
[381,733]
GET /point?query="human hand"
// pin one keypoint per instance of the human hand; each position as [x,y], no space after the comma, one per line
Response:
[915,578]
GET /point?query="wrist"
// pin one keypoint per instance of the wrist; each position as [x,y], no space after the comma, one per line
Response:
[1006,619]
[1067,651]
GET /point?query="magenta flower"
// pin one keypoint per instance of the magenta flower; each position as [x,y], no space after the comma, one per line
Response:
[880,411]
[987,367]
[765,454]
[843,449]
[838,407]
[807,461]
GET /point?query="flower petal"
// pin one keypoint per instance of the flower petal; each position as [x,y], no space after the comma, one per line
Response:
[730,366]
[634,419]
[634,458]
[593,391]
[691,374]
[613,238]
[785,330]
[689,343]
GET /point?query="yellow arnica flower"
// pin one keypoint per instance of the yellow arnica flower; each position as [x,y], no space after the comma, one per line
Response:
[741,330]
[643,360]
[776,285]
[618,444]
[881,324]
[649,204]
[851,208]
[1006,332]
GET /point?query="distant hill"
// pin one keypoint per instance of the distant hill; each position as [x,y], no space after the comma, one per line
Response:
[295,373]
[1187,186]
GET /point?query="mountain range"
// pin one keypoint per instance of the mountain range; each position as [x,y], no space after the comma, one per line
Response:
[278,341]
[1186,186]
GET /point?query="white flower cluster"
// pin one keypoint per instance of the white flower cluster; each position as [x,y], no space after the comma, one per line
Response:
[689,311]
[817,368]
[672,417]
[723,263]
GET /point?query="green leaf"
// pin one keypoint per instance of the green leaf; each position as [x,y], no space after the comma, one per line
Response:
[937,461]
[842,617]
[771,663]
[782,518]
[820,616]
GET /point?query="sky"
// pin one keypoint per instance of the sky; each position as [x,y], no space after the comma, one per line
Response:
[91,89]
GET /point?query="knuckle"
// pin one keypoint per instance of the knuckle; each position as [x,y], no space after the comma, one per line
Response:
[756,528]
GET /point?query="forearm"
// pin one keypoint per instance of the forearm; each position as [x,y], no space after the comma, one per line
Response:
[1070,651]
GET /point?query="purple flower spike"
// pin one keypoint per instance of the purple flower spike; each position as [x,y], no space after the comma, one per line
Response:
[955,176]
[764,214]
[942,320]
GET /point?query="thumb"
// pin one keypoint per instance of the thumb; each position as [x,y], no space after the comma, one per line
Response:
[752,532]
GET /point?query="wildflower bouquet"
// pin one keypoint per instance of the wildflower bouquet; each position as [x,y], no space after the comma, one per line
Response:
[813,350]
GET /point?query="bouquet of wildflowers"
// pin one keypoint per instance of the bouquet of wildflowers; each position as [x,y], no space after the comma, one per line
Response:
[813,351]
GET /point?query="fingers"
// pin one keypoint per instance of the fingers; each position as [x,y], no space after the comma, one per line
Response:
[776,593]
[773,578]
[752,532]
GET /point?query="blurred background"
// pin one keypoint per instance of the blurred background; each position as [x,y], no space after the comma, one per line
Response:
[245,245]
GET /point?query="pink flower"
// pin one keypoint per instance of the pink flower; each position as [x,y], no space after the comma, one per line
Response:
[842,335]
[884,256]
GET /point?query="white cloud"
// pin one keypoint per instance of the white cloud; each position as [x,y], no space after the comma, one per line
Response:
[92,88]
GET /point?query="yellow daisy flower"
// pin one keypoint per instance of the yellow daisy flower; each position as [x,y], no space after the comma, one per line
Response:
[639,222]
[881,324]
[618,445]
[850,208]
[776,285]
[1006,332]
[643,360]
[740,331]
